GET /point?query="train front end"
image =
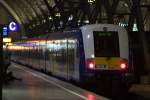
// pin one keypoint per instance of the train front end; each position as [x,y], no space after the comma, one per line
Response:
[106,51]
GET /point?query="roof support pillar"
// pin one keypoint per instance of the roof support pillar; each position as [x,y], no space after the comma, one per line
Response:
[137,14]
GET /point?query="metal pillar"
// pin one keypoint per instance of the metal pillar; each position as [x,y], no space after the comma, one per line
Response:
[140,25]
[1,62]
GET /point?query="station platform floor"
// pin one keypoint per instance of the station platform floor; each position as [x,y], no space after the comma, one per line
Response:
[141,89]
[38,86]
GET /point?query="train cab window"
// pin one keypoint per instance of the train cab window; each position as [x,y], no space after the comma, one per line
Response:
[106,44]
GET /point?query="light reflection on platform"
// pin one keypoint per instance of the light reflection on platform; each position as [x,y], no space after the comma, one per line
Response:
[37,86]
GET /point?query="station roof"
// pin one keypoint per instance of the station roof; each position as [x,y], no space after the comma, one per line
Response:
[38,16]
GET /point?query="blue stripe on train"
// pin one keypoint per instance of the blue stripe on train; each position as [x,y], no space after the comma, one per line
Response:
[84,73]
[82,57]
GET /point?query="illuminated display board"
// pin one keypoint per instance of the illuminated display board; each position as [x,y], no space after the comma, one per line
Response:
[7,40]
[103,33]
[5,31]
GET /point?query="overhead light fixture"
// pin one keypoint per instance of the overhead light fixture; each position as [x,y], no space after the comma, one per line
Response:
[61,23]
[50,18]
[91,1]
[58,14]
[126,5]
[44,20]
[70,18]
[86,21]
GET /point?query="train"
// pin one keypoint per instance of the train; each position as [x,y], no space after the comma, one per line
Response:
[81,54]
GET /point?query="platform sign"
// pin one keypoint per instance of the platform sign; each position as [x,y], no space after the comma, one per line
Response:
[13,27]
[5,31]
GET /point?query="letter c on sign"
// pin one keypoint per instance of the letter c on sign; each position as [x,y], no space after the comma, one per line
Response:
[12,26]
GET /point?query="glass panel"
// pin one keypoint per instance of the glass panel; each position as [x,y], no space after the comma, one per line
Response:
[106,44]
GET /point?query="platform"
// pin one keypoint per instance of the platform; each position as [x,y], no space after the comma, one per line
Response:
[38,86]
[141,89]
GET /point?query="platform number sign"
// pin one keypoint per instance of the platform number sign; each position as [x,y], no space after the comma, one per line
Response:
[13,27]
[6,29]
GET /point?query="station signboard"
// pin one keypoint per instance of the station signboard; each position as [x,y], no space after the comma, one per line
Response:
[13,27]
[5,31]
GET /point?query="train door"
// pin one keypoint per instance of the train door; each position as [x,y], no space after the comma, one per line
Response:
[38,65]
[70,67]
[59,58]
[34,56]
[72,59]
[64,58]
[49,56]
[43,58]
[76,59]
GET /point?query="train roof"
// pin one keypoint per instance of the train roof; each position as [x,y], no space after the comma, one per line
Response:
[92,26]
[71,32]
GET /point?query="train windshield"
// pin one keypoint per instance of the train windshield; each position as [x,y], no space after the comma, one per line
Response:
[106,44]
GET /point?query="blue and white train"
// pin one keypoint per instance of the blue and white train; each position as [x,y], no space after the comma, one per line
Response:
[78,54]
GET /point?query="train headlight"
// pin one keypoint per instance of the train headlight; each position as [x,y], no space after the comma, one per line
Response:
[90,63]
[123,66]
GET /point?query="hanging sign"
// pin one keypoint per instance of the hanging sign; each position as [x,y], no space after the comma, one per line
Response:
[5,31]
[13,27]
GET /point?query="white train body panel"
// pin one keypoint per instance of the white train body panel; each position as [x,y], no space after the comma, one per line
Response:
[88,39]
